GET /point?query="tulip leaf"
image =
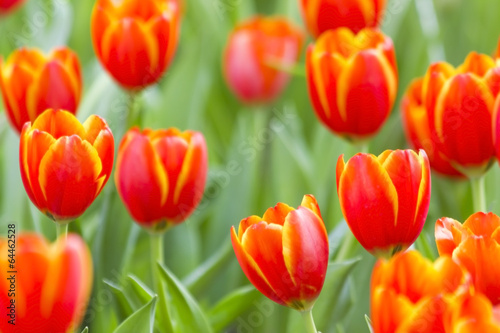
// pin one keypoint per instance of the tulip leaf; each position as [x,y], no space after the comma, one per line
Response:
[85,330]
[232,306]
[369,323]
[124,307]
[425,246]
[141,321]
[186,311]
[140,290]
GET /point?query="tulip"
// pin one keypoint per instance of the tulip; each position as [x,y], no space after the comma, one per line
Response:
[459,105]
[324,15]
[52,283]
[64,164]
[411,294]
[418,132]
[284,254]
[31,82]
[476,246]
[254,50]
[385,199]
[160,175]
[352,81]
[135,40]
[6,6]
[472,313]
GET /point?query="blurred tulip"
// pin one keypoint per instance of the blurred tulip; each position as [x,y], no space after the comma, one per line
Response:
[52,284]
[352,81]
[6,6]
[385,199]
[135,40]
[459,105]
[160,175]
[32,82]
[284,254]
[410,294]
[323,15]
[472,313]
[418,132]
[253,51]
[64,164]
[476,246]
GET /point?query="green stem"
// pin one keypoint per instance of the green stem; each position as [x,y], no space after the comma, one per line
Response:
[364,147]
[478,194]
[62,230]
[156,256]
[309,321]
[134,117]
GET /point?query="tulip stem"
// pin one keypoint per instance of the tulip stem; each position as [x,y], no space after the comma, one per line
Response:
[62,230]
[156,255]
[162,312]
[309,321]
[478,194]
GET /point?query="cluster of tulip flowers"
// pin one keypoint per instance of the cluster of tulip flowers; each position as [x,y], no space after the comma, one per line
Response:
[451,117]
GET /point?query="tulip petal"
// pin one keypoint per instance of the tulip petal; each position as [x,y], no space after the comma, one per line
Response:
[388,310]
[59,123]
[99,135]
[246,223]
[481,224]
[449,234]
[277,214]
[69,177]
[309,201]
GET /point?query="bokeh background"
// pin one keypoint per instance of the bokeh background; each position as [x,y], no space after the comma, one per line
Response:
[257,156]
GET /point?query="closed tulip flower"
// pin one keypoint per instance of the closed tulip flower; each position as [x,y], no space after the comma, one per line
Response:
[6,6]
[476,246]
[135,40]
[284,254]
[418,131]
[411,294]
[32,82]
[160,175]
[459,104]
[65,164]
[385,199]
[352,81]
[254,49]
[52,284]
[323,15]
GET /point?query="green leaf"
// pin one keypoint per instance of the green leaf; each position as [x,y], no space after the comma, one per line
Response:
[186,311]
[232,306]
[124,308]
[140,290]
[369,323]
[85,330]
[141,321]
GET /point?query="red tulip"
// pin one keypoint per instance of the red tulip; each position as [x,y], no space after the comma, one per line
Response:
[6,6]
[65,164]
[52,283]
[459,105]
[253,50]
[32,82]
[324,15]
[385,199]
[135,40]
[160,175]
[418,131]
[284,254]
[475,245]
[352,81]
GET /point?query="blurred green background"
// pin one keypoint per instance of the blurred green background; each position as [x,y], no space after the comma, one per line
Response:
[257,156]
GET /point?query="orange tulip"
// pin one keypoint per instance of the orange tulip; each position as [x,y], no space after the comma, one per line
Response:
[472,313]
[6,6]
[385,199]
[135,40]
[324,15]
[284,254]
[254,49]
[352,81]
[475,245]
[32,82]
[459,105]
[418,132]
[160,175]
[52,284]
[64,164]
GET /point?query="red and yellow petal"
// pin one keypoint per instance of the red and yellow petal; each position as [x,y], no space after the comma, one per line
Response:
[449,234]
[59,123]
[482,224]
[309,201]
[277,214]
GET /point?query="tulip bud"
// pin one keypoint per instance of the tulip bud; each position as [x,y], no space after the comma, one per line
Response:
[476,246]
[324,15]
[65,164]
[254,49]
[385,199]
[160,175]
[284,254]
[32,82]
[135,40]
[51,286]
[352,81]
[418,132]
